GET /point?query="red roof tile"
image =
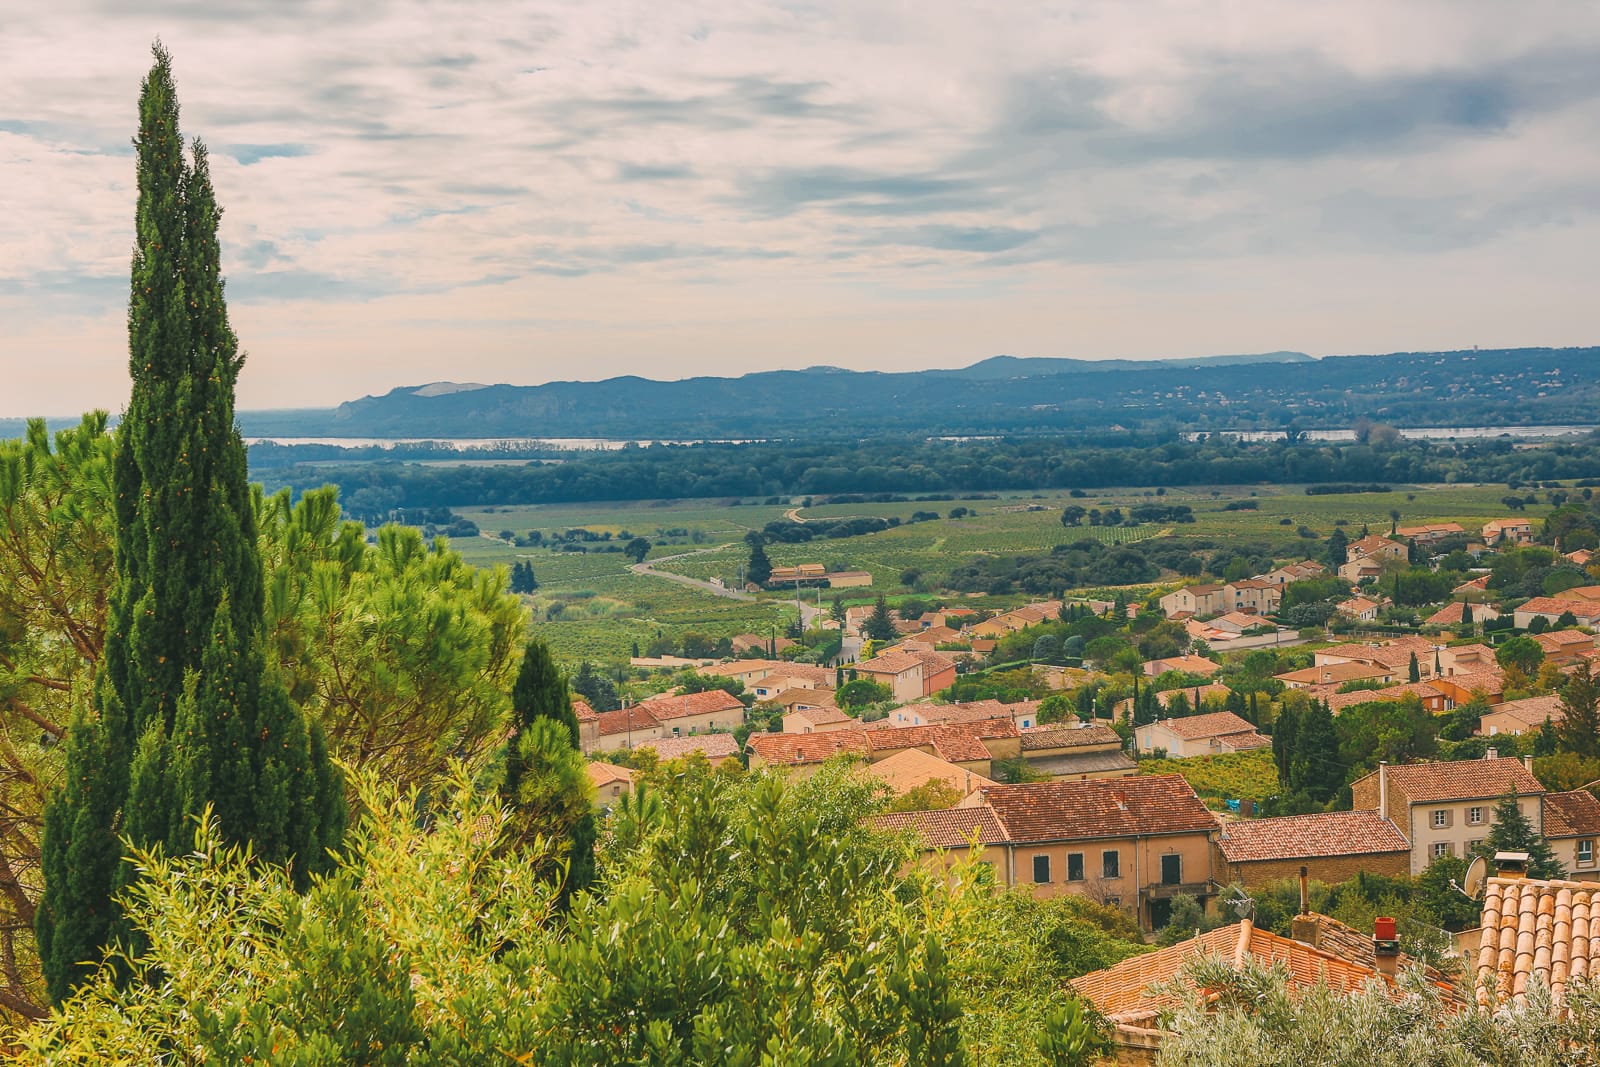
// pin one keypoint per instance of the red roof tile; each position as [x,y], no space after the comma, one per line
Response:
[715,747]
[1339,833]
[1115,807]
[1211,724]
[1035,738]
[794,749]
[638,717]
[953,828]
[681,705]
[1472,779]
[1574,814]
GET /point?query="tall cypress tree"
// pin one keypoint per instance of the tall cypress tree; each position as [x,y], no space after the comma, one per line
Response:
[185,712]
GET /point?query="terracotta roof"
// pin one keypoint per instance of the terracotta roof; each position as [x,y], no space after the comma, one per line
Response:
[1122,993]
[945,829]
[611,723]
[1491,680]
[1561,640]
[1356,605]
[1112,807]
[826,715]
[821,698]
[1423,690]
[905,771]
[1035,738]
[1532,710]
[1187,664]
[893,661]
[973,711]
[583,710]
[602,774]
[794,749]
[1211,724]
[956,742]
[1507,524]
[1535,928]
[716,747]
[1432,528]
[1336,673]
[1549,605]
[1074,763]
[682,705]
[1573,814]
[1481,582]
[1580,592]
[1461,780]
[1339,833]
[1368,546]
[1452,614]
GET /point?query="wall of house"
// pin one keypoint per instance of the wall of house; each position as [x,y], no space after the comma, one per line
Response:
[1460,833]
[621,742]
[1566,850]
[1326,869]
[1139,867]
[730,719]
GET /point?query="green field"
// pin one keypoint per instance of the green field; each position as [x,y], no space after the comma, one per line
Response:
[606,608]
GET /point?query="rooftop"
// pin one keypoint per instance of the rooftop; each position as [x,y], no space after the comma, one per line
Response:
[1535,929]
[715,747]
[905,771]
[794,749]
[1572,814]
[1461,780]
[682,705]
[1036,738]
[1211,724]
[627,720]
[954,828]
[1110,807]
[1338,833]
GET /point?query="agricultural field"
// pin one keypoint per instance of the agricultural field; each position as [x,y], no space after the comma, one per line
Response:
[1224,777]
[604,608]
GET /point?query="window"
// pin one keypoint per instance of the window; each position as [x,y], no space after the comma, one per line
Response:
[1474,844]
[1441,819]
[1172,870]
[1586,852]
[1074,866]
[1441,848]
[1112,902]
[1041,869]
[1111,864]
[1475,816]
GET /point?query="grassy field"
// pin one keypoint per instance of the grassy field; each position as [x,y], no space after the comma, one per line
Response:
[606,608]
[1230,776]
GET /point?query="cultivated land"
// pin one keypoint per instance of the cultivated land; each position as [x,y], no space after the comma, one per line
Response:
[605,608]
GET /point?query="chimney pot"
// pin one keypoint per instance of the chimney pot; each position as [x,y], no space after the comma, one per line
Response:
[1491,753]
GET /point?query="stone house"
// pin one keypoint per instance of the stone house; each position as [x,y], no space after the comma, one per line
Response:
[1332,846]
[1446,809]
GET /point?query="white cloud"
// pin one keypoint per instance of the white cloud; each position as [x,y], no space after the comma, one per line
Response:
[527,191]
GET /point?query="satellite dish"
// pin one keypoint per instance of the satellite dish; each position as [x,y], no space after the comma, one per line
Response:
[1472,881]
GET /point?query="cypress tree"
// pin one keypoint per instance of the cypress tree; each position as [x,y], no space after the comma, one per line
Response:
[1414,672]
[538,693]
[185,713]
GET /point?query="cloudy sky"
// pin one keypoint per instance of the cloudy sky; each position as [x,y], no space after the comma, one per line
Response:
[491,190]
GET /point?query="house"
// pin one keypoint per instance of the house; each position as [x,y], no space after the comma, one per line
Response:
[1480,584]
[1134,994]
[1522,716]
[757,643]
[945,838]
[1581,557]
[1396,655]
[802,572]
[1134,843]
[1508,531]
[611,783]
[1457,615]
[1254,595]
[1445,809]
[800,698]
[1294,572]
[910,675]
[714,747]
[1432,698]
[1076,752]
[802,755]
[1187,664]
[913,768]
[1203,599]
[1487,684]
[929,638]
[1010,622]
[1580,592]
[1237,622]
[1358,569]
[1332,846]
[1378,549]
[1336,674]
[1464,659]
[970,746]
[1359,608]
[692,713]
[1572,826]
[1200,735]
[1562,647]
[588,725]
[1533,929]
[789,676]
[748,671]
[1550,609]
[1430,534]
[817,719]
[624,729]
[849,579]
[927,713]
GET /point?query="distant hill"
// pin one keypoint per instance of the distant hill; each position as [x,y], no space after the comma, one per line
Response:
[1002,395]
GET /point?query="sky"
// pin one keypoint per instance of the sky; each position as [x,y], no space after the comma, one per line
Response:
[501,191]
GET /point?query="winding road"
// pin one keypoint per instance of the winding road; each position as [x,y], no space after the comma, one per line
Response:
[648,568]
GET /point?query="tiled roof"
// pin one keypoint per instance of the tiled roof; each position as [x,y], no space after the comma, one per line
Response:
[1211,724]
[956,742]
[1549,605]
[974,711]
[1368,546]
[1244,742]
[821,698]
[1114,807]
[1122,993]
[1187,664]
[583,710]
[1532,710]
[602,774]
[625,721]
[715,747]
[1452,614]
[826,715]
[1072,764]
[1490,679]
[894,661]
[1461,780]
[1340,833]
[682,705]
[1573,814]
[793,749]
[1356,605]
[1336,673]
[905,771]
[1423,690]
[1534,928]
[1561,640]
[1035,738]
[946,829]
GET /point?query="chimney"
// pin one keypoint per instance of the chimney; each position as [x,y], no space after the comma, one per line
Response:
[1491,753]
[1385,946]
[1513,865]
[1527,763]
[1383,789]
[1305,890]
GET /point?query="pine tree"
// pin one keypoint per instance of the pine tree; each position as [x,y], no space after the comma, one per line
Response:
[1580,704]
[1512,832]
[540,692]
[185,714]
[880,624]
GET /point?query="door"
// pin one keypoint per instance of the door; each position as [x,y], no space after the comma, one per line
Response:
[1172,870]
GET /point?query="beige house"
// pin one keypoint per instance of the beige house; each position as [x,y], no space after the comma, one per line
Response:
[1255,596]
[1550,609]
[695,713]
[1336,674]
[611,783]
[1200,735]
[1333,847]
[971,746]
[714,747]
[910,675]
[1134,843]
[1076,753]
[1508,531]
[1192,600]
[1359,608]
[1187,664]
[1572,826]
[913,768]
[1521,716]
[1359,569]
[1446,809]
[1429,534]
[1377,548]
[625,729]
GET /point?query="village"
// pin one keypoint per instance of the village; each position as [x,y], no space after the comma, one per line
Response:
[1052,794]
